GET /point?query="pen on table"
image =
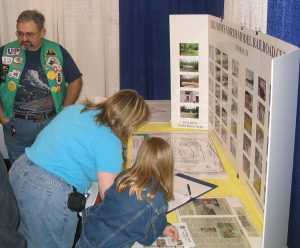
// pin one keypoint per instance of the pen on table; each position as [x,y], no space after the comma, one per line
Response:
[189,190]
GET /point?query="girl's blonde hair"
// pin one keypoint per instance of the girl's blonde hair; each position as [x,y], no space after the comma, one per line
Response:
[153,168]
[123,112]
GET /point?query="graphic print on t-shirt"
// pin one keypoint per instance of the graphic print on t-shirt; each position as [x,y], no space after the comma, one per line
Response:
[34,95]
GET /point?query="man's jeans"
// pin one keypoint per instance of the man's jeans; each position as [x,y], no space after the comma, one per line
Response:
[19,134]
[9,214]
[46,220]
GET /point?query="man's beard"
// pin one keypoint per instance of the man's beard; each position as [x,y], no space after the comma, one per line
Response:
[26,45]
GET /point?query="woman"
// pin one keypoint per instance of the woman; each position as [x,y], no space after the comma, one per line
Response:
[82,144]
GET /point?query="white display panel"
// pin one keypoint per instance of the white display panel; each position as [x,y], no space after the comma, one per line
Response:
[251,84]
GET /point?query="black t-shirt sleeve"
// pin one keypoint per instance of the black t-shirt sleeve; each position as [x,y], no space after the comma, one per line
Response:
[70,69]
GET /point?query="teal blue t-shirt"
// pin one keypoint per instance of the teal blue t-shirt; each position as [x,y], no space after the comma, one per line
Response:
[75,148]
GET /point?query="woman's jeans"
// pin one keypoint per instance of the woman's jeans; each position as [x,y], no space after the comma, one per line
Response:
[46,221]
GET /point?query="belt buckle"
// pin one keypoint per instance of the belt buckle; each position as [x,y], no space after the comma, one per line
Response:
[39,117]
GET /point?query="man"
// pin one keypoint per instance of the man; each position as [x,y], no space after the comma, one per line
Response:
[9,214]
[38,78]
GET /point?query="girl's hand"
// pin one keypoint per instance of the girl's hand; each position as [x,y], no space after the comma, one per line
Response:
[171,232]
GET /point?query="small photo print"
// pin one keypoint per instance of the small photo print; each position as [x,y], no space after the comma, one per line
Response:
[234,88]
[224,116]
[261,113]
[249,79]
[211,68]
[224,97]
[262,88]
[189,112]
[211,52]
[218,108]
[189,65]
[232,147]
[217,124]
[211,101]
[189,49]
[225,79]
[225,61]
[211,85]
[235,68]
[234,108]
[247,145]
[248,123]
[259,136]
[258,160]
[246,166]
[248,101]
[189,96]
[218,92]
[211,118]
[233,128]
[189,81]
[257,182]
[218,56]
[218,73]
[224,134]
[228,230]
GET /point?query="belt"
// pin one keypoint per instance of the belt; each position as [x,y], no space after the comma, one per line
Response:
[35,117]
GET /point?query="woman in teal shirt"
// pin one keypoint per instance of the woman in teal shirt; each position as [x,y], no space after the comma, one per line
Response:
[82,144]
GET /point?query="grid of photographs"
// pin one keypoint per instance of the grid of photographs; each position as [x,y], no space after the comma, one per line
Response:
[189,80]
[238,113]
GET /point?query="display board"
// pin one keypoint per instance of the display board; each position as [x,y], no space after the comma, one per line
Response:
[242,86]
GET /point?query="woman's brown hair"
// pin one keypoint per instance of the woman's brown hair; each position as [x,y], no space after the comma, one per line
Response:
[123,112]
[153,168]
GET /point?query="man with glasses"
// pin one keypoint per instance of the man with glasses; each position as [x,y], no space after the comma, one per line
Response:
[38,77]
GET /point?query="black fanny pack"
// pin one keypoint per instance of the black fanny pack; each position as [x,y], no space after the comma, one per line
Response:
[76,201]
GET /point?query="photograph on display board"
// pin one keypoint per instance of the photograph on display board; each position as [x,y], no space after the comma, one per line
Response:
[218,56]
[248,101]
[211,52]
[235,68]
[246,166]
[211,85]
[188,96]
[258,160]
[234,128]
[259,136]
[262,88]
[189,81]
[232,146]
[249,79]
[248,123]
[189,64]
[211,68]
[261,113]
[234,108]
[234,88]
[247,145]
[189,112]
[224,79]
[257,182]
[224,97]
[224,116]
[218,73]
[189,49]
[225,61]
[224,134]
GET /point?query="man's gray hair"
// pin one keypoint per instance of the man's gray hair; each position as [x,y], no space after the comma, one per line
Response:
[32,15]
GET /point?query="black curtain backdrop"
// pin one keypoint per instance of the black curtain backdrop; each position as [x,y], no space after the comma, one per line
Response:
[144,41]
[284,23]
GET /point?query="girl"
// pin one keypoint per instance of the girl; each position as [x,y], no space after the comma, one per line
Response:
[134,208]
[82,144]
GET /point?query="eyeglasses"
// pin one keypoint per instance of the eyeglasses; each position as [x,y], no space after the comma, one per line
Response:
[28,35]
